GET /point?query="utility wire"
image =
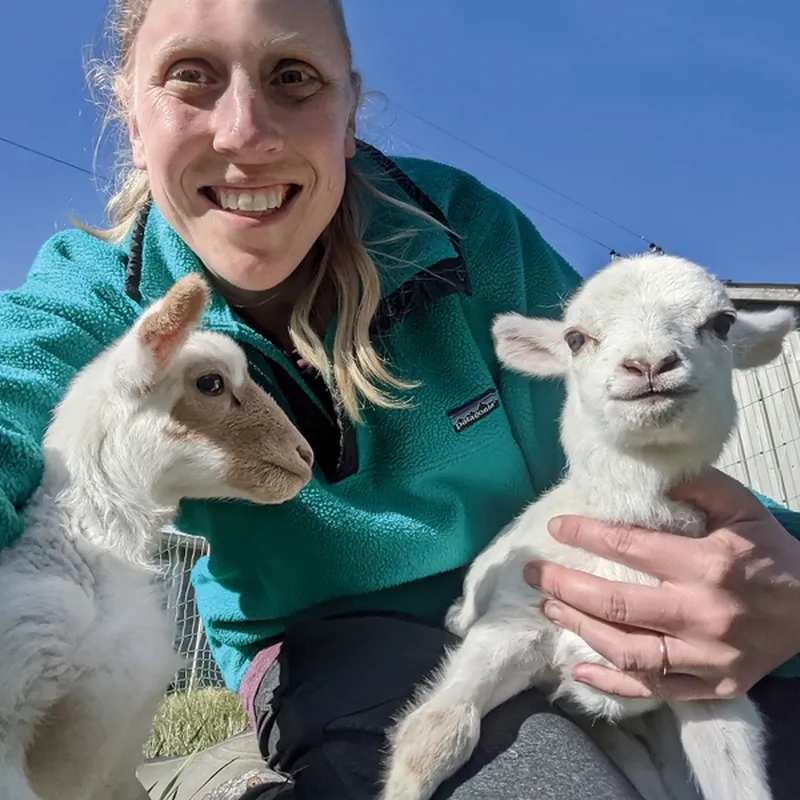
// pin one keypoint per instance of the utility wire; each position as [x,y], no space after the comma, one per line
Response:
[55,159]
[566,225]
[521,172]
[520,202]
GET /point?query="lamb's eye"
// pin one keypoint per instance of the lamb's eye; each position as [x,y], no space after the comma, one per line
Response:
[211,384]
[722,323]
[575,340]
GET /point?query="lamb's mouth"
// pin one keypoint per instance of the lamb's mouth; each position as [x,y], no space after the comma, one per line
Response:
[656,394]
[251,202]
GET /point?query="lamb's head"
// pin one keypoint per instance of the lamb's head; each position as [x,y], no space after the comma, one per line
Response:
[647,347]
[170,410]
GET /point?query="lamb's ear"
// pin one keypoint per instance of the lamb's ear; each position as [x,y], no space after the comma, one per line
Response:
[164,327]
[533,345]
[757,336]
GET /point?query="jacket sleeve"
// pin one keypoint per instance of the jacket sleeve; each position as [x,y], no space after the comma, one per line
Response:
[66,312]
[788,518]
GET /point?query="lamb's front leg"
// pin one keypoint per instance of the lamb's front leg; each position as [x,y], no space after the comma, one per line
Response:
[42,620]
[93,744]
[96,734]
[498,658]
[480,583]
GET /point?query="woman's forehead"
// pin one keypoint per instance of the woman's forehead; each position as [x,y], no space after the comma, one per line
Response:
[258,25]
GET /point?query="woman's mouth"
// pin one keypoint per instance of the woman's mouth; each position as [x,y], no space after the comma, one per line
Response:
[252,202]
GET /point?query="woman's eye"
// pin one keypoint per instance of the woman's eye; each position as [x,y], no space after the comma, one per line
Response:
[299,79]
[291,76]
[189,74]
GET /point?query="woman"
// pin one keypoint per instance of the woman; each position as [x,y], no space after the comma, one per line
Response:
[363,290]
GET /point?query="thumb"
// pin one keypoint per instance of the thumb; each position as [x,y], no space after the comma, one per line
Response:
[722,498]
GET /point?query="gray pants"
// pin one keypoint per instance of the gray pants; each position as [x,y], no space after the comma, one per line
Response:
[323,708]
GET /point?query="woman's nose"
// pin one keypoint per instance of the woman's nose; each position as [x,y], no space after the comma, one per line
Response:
[244,123]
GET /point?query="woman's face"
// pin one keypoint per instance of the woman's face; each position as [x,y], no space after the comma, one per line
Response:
[242,116]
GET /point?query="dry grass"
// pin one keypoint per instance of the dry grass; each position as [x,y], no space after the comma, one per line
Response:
[190,722]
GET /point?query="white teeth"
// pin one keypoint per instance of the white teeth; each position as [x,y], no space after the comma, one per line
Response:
[264,200]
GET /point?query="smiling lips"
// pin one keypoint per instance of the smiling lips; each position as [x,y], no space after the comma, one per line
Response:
[259,201]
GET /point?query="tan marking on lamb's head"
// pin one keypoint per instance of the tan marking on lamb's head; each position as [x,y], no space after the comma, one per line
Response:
[231,438]
[268,460]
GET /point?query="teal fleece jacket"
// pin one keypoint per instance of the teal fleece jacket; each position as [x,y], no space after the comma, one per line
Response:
[417,493]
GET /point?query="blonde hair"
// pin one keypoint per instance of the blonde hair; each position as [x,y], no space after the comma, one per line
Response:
[356,373]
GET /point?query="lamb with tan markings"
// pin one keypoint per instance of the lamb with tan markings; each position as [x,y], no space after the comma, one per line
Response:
[167,412]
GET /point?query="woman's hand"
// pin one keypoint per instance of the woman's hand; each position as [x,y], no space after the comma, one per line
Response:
[728,606]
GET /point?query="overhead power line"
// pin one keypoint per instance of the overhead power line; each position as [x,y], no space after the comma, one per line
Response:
[519,202]
[523,173]
[566,225]
[55,159]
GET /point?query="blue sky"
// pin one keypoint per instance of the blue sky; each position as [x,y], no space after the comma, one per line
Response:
[679,121]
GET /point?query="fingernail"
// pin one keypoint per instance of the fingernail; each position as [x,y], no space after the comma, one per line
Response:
[552,611]
[532,575]
[554,526]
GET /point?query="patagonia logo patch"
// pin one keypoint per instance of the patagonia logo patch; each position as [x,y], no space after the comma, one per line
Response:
[474,411]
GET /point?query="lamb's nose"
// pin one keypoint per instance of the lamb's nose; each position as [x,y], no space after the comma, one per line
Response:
[649,370]
[306,453]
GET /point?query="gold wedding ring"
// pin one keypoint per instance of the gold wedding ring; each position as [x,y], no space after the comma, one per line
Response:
[663,647]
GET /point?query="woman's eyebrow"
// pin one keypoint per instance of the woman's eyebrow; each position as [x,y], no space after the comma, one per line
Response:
[180,43]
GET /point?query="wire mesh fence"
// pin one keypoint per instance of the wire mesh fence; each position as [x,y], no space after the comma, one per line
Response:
[764,454]
[178,555]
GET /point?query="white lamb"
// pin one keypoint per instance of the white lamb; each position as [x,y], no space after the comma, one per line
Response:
[167,412]
[646,347]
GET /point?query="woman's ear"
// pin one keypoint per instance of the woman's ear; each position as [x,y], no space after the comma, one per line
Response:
[123,91]
[137,146]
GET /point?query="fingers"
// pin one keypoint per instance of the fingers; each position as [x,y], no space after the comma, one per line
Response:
[663,555]
[655,608]
[639,651]
[670,687]
[627,650]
